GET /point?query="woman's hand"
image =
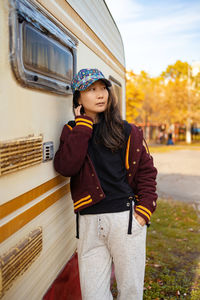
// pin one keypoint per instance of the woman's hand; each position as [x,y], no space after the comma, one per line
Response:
[140,220]
[77,110]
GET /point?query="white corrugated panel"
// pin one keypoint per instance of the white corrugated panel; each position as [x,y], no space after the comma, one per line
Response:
[97,16]
[59,243]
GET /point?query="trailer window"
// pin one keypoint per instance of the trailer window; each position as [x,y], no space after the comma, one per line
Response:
[46,56]
[117,87]
[43,54]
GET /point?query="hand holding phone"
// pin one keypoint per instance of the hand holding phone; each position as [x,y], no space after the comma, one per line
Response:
[78,110]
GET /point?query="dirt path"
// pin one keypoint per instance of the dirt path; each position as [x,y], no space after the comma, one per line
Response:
[179,175]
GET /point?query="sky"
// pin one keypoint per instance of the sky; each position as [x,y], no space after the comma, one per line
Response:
[157,33]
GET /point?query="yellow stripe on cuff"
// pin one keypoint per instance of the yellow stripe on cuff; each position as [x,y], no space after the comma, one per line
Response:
[82,199]
[84,120]
[81,123]
[83,203]
[142,213]
[144,208]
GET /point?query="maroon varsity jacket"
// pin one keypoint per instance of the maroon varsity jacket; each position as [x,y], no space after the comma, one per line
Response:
[72,160]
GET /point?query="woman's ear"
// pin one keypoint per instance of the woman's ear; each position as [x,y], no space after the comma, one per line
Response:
[79,101]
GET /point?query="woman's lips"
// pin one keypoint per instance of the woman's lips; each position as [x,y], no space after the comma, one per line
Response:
[100,103]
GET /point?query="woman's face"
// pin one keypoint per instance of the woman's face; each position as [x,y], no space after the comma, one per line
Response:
[94,99]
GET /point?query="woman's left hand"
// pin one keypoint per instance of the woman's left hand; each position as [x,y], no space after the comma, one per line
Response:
[140,220]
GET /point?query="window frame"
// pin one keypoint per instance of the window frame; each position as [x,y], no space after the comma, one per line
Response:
[22,13]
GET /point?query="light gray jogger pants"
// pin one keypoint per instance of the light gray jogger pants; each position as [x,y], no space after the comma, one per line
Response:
[103,238]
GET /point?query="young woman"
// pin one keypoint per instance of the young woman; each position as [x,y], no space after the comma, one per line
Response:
[113,188]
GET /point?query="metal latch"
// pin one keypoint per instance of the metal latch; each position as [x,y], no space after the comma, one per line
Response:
[48,151]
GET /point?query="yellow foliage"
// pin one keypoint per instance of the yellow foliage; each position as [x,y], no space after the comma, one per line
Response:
[170,98]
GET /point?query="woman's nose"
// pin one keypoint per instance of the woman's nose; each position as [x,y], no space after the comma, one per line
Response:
[100,94]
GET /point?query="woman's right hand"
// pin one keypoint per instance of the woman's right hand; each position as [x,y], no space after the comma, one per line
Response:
[77,110]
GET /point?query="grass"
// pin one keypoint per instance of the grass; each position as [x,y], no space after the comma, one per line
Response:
[173,253]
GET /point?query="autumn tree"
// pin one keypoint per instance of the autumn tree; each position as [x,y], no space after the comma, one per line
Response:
[142,99]
[134,97]
[173,97]
[181,96]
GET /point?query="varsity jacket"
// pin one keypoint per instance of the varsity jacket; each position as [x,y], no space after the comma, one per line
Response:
[72,160]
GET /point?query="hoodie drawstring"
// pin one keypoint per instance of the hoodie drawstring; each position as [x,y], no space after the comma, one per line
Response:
[77,225]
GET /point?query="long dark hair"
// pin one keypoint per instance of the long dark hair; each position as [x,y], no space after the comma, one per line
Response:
[111,130]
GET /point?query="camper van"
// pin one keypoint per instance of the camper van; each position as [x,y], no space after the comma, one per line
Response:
[43,44]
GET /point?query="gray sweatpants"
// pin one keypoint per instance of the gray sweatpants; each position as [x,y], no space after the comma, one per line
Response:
[103,238]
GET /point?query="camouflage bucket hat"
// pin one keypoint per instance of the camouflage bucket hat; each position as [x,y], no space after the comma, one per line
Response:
[85,78]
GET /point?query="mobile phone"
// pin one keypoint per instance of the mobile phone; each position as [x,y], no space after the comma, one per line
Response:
[82,111]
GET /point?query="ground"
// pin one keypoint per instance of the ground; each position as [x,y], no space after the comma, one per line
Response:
[179,175]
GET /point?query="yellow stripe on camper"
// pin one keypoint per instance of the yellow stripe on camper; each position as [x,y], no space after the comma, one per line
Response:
[144,208]
[127,153]
[84,120]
